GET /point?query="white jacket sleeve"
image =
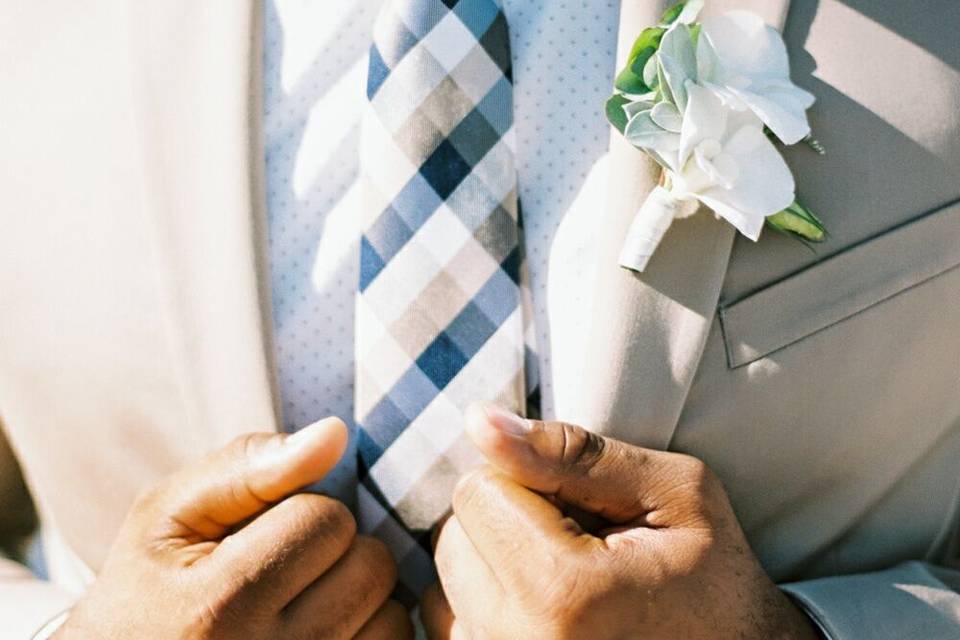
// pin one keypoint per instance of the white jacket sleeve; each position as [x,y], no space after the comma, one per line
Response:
[28,605]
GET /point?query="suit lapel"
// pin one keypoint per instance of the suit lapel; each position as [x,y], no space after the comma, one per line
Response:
[649,330]
[196,82]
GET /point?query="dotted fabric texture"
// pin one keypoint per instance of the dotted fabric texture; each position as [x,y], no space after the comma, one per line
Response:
[315,66]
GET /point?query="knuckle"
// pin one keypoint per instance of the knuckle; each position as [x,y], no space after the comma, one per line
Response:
[323,516]
[697,491]
[398,621]
[244,446]
[249,443]
[234,461]
[696,472]
[567,600]
[147,498]
[470,489]
[215,610]
[431,601]
[339,518]
[149,510]
[580,448]
[380,569]
[446,554]
[441,557]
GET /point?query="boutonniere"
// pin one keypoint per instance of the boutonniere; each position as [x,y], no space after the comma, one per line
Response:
[709,102]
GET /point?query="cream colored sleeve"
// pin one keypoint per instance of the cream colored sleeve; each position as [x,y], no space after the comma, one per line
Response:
[28,605]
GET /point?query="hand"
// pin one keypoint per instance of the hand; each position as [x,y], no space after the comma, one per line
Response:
[219,550]
[668,559]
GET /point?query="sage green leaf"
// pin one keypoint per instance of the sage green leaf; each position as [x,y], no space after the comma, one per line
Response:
[667,116]
[641,131]
[798,221]
[662,85]
[615,113]
[650,72]
[630,78]
[633,108]
[678,62]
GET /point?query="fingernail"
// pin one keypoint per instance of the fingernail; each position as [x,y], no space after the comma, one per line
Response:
[504,420]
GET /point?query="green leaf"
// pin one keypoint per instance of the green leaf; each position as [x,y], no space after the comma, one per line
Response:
[685,11]
[649,38]
[630,82]
[664,86]
[798,221]
[615,113]
[695,33]
[630,78]
[672,13]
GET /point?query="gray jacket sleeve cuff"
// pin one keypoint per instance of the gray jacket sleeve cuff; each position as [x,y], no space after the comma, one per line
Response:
[912,600]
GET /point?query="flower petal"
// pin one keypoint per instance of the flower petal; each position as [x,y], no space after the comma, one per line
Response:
[781,107]
[704,118]
[743,44]
[764,184]
[745,62]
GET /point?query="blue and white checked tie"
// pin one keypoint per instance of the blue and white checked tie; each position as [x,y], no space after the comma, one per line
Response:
[442,313]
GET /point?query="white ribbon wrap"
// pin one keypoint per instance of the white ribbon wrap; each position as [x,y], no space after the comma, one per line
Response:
[648,228]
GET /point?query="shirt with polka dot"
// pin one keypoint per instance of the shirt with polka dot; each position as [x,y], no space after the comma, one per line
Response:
[315,57]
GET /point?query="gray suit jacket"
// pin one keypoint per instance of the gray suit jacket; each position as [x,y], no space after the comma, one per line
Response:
[823,387]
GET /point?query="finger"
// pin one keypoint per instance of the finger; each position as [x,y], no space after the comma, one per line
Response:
[203,502]
[515,530]
[436,614]
[341,602]
[437,528]
[391,622]
[470,586]
[285,549]
[617,481]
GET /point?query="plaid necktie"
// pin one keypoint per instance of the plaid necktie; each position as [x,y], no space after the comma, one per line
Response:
[442,315]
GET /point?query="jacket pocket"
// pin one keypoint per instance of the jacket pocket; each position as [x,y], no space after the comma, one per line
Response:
[841,286]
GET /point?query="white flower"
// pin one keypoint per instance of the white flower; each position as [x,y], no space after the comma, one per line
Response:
[725,161]
[745,63]
[711,92]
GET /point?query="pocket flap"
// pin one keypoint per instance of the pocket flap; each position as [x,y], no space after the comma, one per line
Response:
[841,286]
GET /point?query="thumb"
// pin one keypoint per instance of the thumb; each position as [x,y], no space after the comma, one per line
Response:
[603,476]
[248,475]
